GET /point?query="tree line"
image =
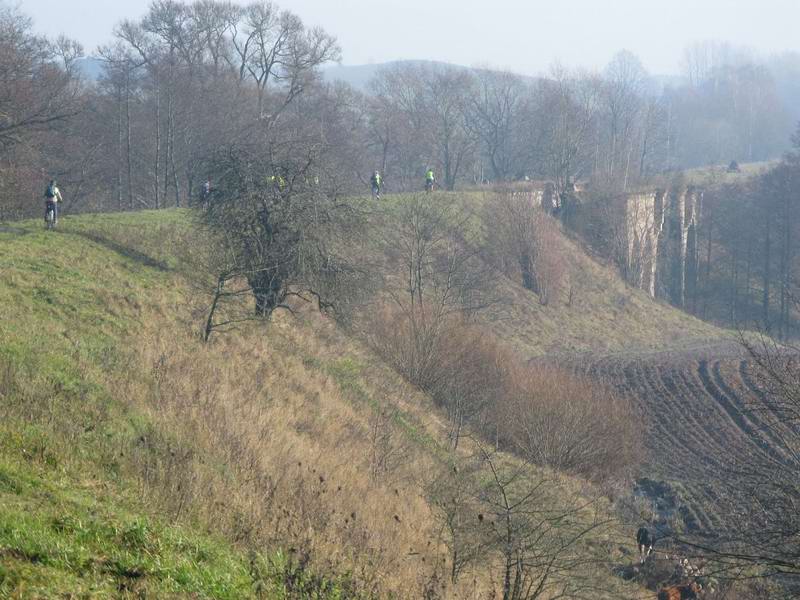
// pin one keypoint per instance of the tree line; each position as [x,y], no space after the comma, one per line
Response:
[189,78]
[746,272]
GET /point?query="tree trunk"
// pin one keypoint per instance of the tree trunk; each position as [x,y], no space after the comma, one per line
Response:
[157,161]
[210,320]
[766,275]
[175,182]
[168,147]
[128,142]
[120,142]
[268,292]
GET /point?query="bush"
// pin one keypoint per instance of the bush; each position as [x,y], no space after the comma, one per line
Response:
[460,366]
[525,243]
[572,424]
[549,416]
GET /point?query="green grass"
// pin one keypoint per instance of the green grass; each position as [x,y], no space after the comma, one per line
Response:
[76,517]
[348,373]
[57,535]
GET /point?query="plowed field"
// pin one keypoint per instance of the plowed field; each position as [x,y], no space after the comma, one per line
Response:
[704,419]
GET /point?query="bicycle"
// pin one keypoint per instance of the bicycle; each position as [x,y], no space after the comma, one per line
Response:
[50,215]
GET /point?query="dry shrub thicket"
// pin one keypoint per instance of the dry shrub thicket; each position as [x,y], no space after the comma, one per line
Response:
[548,416]
[553,417]
[525,243]
[461,367]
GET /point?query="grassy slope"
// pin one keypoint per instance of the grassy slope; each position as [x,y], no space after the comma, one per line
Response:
[97,364]
[132,455]
[602,316]
[72,516]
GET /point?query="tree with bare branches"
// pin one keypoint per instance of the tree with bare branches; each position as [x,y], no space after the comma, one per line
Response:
[524,524]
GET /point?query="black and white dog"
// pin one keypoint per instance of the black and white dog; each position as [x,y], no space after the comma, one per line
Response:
[645,541]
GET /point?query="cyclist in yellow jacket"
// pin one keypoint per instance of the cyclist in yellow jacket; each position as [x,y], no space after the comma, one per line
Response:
[430,180]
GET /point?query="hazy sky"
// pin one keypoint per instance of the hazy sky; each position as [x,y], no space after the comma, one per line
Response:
[522,35]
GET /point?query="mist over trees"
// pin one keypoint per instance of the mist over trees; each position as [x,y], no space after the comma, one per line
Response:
[189,82]
[190,78]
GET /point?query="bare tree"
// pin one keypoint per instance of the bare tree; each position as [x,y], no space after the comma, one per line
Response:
[625,80]
[447,94]
[38,83]
[569,113]
[493,118]
[273,46]
[435,281]
[278,235]
[525,243]
[521,523]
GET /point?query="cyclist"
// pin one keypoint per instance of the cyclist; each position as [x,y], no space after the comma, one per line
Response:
[429,180]
[205,192]
[377,184]
[278,182]
[52,196]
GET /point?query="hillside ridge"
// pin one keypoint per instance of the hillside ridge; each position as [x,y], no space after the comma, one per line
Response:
[106,386]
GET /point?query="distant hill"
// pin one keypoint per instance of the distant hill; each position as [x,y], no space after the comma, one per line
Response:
[90,67]
[359,75]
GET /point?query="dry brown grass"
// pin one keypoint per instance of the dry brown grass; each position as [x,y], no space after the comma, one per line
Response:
[301,464]
[302,439]
[595,312]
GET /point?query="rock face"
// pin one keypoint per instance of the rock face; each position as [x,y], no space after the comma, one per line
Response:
[655,232]
[661,241]
[541,194]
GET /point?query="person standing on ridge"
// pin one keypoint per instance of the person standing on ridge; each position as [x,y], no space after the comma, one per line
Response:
[377,184]
[205,192]
[429,180]
[52,197]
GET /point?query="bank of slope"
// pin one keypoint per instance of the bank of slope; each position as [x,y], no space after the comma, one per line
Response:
[135,459]
[99,484]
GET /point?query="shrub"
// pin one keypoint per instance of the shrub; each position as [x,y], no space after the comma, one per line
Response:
[570,423]
[549,416]
[525,243]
